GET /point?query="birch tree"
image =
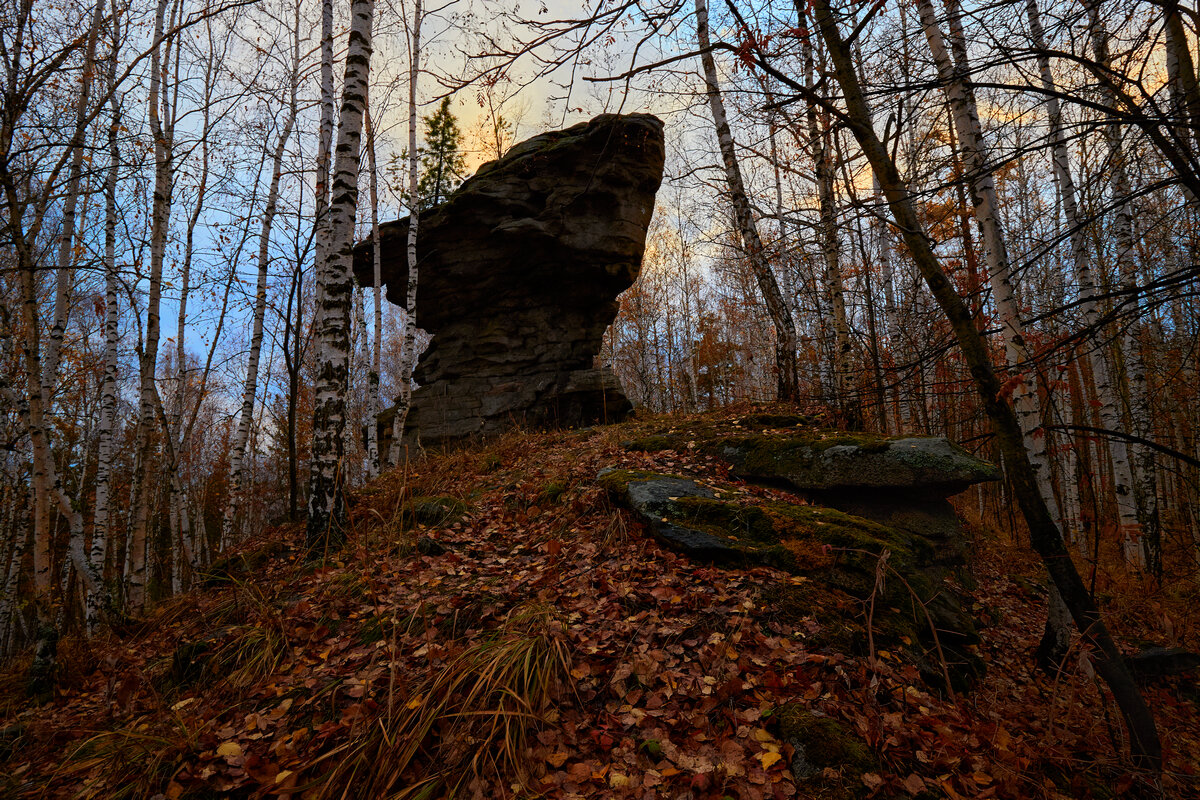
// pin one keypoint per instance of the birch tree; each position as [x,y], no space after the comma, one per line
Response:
[1109,409]
[408,358]
[374,404]
[1143,491]
[162,132]
[250,385]
[108,385]
[785,329]
[835,290]
[335,288]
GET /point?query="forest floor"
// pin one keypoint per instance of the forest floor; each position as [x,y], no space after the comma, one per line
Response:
[533,641]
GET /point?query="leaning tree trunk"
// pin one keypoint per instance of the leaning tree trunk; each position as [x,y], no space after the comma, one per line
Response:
[1184,85]
[1106,392]
[326,501]
[408,357]
[785,327]
[1043,532]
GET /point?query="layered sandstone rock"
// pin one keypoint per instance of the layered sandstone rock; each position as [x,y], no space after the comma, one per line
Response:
[519,274]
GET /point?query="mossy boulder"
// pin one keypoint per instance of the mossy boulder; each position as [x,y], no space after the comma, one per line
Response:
[436,511]
[820,742]
[933,466]
[853,563]
[657,499]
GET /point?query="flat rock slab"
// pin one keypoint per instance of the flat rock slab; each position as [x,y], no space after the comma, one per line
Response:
[931,466]
[656,499]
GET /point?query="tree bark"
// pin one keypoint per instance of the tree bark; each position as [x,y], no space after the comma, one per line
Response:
[374,405]
[1132,529]
[159,221]
[327,502]
[250,386]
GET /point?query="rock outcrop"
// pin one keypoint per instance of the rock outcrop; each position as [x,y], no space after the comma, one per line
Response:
[519,274]
[902,482]
[870,525]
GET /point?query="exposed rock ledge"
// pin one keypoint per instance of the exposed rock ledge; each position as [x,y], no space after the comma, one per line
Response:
[871,526]
[519,274]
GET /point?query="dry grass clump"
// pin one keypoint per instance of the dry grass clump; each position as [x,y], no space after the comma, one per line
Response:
[467,726]
[132,762]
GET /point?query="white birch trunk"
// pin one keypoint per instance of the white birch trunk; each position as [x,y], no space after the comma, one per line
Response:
[408,357]
[1115,449]
[326,502]
[986,206]
[374,406]
[1142,491]
[250,386]
[324,151]
[883,245]
[159,221]
[835,290]
[785,329]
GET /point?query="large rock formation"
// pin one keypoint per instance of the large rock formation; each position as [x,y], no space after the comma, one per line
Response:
[519,274]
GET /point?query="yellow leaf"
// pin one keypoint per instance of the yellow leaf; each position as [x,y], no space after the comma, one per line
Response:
[768,759]
[282,776]
[229,750]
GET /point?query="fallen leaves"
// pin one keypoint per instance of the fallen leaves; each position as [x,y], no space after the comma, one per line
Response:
[677,668]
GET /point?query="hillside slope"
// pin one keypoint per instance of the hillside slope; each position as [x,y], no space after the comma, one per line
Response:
[499,627]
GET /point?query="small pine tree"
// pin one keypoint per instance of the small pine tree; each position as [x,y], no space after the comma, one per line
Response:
[442,162]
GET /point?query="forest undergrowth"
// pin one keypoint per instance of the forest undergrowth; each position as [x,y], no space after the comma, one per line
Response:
[497,628]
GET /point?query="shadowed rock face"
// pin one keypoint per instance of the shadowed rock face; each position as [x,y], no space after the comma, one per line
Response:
[519,274]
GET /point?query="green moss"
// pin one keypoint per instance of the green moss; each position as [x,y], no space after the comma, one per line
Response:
[768,419]
[650,444]
[552,493]
[826,742]
[745,523]
[434,511]
[854,539]
[616,481]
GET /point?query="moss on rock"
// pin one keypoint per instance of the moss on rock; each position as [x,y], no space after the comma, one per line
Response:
[821,742]
[435,511]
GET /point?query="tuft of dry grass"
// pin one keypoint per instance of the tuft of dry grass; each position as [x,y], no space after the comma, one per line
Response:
[131,762]
[467,725]
[251,654]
